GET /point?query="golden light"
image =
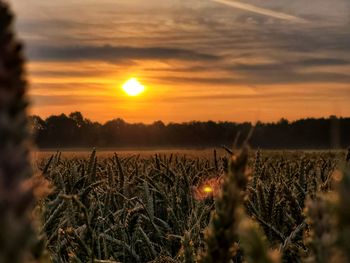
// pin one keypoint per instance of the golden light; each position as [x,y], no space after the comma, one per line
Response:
[207,189]
[133,87]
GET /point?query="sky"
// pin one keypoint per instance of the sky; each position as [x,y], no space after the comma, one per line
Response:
[233,60]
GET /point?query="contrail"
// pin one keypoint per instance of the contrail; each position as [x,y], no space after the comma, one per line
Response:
[262,11]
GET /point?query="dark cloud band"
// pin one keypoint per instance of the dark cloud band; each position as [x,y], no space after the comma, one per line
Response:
[113,53]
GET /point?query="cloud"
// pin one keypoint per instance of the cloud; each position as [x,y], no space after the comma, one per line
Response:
[63,100]
[188,48]
[261,11]
[323,62]
[258,77]
[113,53]
[290,65]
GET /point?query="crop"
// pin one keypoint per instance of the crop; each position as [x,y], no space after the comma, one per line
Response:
[16,188]
[171,208]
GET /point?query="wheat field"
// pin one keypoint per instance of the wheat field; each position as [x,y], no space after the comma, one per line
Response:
[205,206]
[257,207]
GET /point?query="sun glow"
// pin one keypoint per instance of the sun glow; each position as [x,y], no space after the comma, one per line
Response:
[133,87]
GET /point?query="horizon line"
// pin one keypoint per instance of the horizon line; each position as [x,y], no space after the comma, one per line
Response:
[329,117]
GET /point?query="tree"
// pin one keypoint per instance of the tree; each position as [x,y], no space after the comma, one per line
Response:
[78,118]
[75,130]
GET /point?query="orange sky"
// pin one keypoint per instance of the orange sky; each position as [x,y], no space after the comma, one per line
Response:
[199,60]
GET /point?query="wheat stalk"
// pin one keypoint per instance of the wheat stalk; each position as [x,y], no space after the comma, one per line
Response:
[16,197]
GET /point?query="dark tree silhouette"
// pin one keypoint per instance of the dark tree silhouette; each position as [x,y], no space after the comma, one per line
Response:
[76,131]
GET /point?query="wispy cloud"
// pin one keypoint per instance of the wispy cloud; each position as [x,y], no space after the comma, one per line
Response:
[262,11]
[198,59]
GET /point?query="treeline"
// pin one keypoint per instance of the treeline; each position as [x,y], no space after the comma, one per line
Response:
[64,131]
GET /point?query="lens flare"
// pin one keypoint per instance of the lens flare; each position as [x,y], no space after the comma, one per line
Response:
[207,189]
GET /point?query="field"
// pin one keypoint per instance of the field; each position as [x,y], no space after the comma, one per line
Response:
[177,70]
[194,206]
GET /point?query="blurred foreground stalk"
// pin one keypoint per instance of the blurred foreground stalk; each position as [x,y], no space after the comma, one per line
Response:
[16,196]
[230,223]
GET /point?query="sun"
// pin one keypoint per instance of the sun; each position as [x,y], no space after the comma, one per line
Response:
[133,87]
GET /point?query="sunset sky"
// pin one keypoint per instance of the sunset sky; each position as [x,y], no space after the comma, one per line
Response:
[231,60]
